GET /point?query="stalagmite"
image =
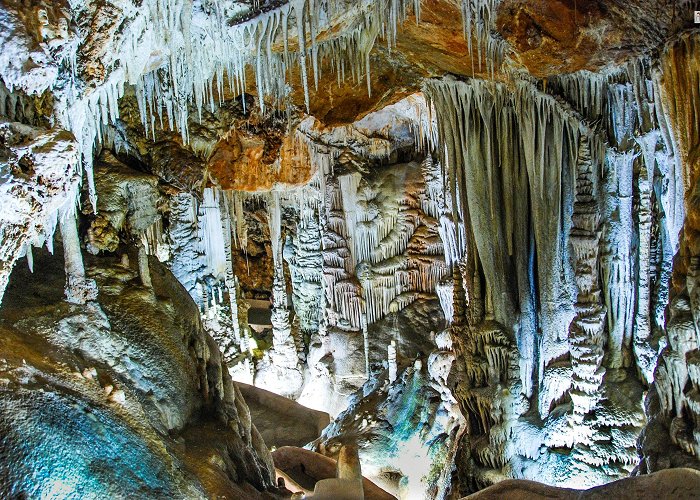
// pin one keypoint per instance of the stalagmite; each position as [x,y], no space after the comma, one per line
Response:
[280,369]
[230,279]
[79,289]
[617,268]
[282,335]
[586,333]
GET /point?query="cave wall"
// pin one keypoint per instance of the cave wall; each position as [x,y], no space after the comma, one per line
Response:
[348,261]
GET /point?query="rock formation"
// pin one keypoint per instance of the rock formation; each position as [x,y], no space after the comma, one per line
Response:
[123,396]
[465,230]
[676,483]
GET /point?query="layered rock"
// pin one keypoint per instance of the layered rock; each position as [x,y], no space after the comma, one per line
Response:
[302,469]
[125,396]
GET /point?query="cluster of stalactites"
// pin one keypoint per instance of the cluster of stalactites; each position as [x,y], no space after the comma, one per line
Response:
[479,123]
[677,375]
[40,201]
[557,190]
[203,236]
[213,54]
[479,17]
[393,235]
[180,54]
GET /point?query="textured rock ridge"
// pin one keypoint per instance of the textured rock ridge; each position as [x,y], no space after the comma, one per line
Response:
[677,483]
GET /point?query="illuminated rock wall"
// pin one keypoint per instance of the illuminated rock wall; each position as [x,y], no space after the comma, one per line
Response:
[570,200]
[672,437]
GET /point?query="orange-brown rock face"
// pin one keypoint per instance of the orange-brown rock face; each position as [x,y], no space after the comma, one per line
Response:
[559,36]
[432,47]
[681,96]
[243,161]
[551,37]
[680,70]
[253,264]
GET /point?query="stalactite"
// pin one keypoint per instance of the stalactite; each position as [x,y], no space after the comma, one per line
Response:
[533,212]
[348,189]
[154,241]
[144,271]
[391,359]
[211,234]
[365,344]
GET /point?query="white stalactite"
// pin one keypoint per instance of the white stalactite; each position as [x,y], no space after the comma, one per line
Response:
[391,358]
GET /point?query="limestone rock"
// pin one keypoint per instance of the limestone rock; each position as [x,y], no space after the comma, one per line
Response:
[39,177]
[676,483]
[154,379]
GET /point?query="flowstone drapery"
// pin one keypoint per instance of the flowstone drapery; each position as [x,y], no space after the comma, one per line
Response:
[551,359]
[672,436]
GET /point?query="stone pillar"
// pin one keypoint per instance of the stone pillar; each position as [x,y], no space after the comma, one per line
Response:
[79,289]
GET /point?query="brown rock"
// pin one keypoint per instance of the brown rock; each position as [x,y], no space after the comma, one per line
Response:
[306,468]
[282,421]
[244,161]
[558,36]
[671,483]
[562,36]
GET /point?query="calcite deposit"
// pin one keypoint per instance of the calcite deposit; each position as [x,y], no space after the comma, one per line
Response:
[443,244]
